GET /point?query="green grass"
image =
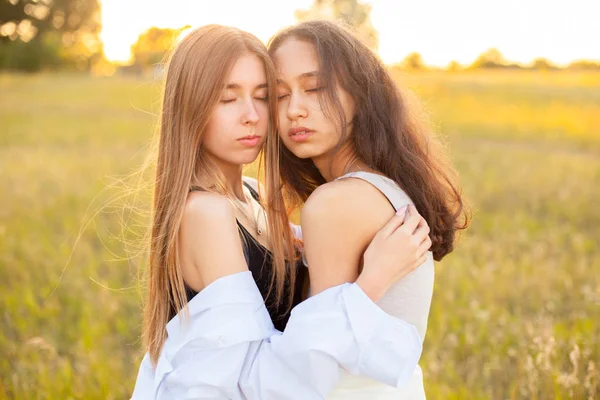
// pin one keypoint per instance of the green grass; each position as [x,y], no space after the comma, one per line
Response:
[516,306]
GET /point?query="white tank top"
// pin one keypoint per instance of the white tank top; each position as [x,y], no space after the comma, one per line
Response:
[409,300]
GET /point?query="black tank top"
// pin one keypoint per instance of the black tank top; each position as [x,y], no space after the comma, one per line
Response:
[260,264]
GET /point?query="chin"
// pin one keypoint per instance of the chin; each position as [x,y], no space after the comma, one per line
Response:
[304,150]
[247,157]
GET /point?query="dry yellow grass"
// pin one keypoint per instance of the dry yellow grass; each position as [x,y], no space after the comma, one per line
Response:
[516,306]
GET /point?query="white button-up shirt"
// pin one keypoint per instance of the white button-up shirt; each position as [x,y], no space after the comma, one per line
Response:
[229,349]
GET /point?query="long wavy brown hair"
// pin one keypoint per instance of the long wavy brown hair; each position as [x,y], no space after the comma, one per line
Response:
[197,69]
[387,133]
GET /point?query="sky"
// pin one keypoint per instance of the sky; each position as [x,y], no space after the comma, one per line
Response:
[440,30]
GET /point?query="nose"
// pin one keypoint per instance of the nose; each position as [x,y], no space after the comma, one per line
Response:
[296,108]
[250,114]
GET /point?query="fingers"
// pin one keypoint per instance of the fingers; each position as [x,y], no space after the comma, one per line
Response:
[420,261]
[424,246]
[412,220]
[421,232]
[394,223]
[422,251]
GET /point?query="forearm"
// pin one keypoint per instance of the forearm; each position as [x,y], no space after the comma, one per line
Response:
[246,358]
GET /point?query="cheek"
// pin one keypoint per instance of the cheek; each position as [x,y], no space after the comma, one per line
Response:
[219,120]
[326,124]
[282,115]
[210,139]
[262,110]
[214,136]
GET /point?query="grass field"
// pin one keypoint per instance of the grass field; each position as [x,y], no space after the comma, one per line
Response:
[516,310]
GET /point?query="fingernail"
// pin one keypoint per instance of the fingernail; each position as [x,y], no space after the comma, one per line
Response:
[402,210]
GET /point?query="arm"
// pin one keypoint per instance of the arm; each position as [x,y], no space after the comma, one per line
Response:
[342,223]
[229,348]
[339,220]
[209,243]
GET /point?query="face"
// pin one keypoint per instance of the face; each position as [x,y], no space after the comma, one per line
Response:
[303,126]
[238,125]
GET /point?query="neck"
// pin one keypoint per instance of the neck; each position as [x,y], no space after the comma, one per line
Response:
[232,175]
[233,180]
[332,165]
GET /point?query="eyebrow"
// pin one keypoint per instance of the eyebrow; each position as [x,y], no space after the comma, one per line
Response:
[309,74]
[238,86]
[303,76]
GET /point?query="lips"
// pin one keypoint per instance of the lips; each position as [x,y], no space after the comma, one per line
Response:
[300,130]
[250,140]
[300,134]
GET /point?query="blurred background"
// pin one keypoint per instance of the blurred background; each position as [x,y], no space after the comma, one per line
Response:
[513,87]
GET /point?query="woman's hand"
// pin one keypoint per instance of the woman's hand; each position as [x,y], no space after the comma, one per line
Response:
[395,251]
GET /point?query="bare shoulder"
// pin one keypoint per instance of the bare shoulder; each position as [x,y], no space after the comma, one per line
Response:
[339,220]
[209,242]
[350,202]
[207,207]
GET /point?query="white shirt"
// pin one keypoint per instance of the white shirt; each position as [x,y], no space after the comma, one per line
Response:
[229,349]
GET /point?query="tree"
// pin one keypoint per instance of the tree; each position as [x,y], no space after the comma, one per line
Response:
[152,45]
[491,58]
[454,66]
[52,32]
[542,64]
[584,65]
[413,61]
[352,12]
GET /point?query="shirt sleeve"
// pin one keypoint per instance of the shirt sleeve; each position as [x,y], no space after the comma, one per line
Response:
[229,349]
[296,230]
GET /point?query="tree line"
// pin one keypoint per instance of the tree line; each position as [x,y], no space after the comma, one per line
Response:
[64,34]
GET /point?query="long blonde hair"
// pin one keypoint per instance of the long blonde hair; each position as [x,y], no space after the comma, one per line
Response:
[197,69]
